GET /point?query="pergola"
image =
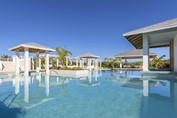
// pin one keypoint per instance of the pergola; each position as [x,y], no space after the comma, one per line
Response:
[74,59]
[27,48]
[90,58]
[132,54]
[158,35]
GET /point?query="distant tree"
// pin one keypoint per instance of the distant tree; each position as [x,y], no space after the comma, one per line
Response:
[5,56]
[112,62]
[62,54]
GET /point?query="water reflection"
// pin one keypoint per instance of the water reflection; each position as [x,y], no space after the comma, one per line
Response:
[47,86]
[17,84]
[159,98]
[92,79]
[154,97]
[26,89]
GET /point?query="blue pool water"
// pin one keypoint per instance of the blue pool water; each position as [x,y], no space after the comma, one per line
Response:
[102,95]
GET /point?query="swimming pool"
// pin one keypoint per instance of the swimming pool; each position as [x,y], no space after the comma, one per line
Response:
[103,94]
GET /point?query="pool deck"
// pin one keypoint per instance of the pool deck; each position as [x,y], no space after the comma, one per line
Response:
[160,74]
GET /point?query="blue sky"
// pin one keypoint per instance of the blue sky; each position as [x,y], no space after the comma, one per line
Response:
[94,26]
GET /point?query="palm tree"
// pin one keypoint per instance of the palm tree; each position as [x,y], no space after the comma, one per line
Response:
[158,62]
[62,54]
[112,61]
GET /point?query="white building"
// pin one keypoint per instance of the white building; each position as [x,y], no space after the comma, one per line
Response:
[158,35]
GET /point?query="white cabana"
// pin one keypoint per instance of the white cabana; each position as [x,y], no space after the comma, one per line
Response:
[162,34]
[91,59]
[27,48]
[132,54]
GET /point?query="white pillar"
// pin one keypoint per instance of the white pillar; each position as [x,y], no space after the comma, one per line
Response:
[80,61]
[71,62]
[145,53]
[175,54]
[26,62]
[57,62]
[89,64]
[17,66]
[96,64]
[77,62]
[47,63]
[66,60]
[120,63]
[37,62]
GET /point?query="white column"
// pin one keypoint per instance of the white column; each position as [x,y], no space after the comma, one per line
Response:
[37,62]
[89,64]
[66,60]
[77,62]
[71,62]
[47,63]
[96,64]
[57,62]
[145,53]
[175,54]
[17,66]
[26,62]
[120,63]
[80,61]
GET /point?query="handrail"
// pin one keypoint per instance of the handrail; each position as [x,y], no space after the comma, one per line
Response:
[55,72]
[10,94]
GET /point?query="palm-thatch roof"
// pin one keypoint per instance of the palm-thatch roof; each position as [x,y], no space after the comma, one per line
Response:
[88,55]
[33,47]
[133,54]
[135,37]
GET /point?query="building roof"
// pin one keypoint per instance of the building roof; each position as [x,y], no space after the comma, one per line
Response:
[33,47]
[133,54]
[88,55]
[74,58]
[135,37]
